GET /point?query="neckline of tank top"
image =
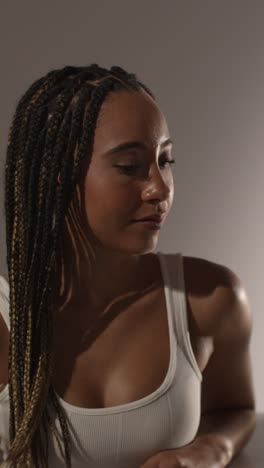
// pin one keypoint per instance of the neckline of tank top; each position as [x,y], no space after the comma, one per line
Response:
[164,385]
[170,371]
[148,398]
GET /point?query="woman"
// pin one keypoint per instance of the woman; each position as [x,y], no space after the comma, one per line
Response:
[114,355]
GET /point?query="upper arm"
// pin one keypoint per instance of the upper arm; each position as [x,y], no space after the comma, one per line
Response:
[227,379]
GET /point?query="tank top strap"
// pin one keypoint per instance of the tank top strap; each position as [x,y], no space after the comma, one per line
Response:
[173,263]
[4,300]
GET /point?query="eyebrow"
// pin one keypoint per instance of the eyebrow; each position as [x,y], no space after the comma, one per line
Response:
[130,145]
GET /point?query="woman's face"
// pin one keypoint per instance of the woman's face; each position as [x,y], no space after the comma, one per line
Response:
[115,196]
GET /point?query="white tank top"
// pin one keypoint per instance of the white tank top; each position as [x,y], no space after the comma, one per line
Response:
[125,436]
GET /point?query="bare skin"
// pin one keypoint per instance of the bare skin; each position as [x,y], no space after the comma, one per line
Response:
[118,298]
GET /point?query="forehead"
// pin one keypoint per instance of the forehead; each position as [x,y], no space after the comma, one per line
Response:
[127,116]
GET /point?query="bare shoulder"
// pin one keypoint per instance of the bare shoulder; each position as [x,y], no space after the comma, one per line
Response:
[206,276]
[216,295]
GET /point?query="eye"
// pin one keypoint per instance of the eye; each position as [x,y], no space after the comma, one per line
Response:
[132,168]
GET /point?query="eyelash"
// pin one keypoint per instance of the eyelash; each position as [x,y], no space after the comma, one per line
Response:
[128,169]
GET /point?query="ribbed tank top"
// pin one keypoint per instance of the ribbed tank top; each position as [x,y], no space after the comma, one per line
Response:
[125,436]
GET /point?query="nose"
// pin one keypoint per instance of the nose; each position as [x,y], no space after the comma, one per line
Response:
[159,186]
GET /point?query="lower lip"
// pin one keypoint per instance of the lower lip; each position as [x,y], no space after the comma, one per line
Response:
[149,224]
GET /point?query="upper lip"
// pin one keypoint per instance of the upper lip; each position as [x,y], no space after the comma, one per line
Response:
[155,218]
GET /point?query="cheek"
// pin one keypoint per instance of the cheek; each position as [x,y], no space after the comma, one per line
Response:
[107,202]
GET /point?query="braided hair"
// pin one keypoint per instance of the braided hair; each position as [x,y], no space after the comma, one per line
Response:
[57,114]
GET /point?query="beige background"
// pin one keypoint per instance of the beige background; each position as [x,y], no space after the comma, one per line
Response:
[204,60]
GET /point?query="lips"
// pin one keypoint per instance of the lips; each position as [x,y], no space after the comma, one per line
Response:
[154,219]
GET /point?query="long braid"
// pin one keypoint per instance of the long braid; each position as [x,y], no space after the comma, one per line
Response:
[17,133]
[56,115]
[16,141]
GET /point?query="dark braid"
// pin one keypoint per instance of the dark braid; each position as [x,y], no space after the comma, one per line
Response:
[55,117]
